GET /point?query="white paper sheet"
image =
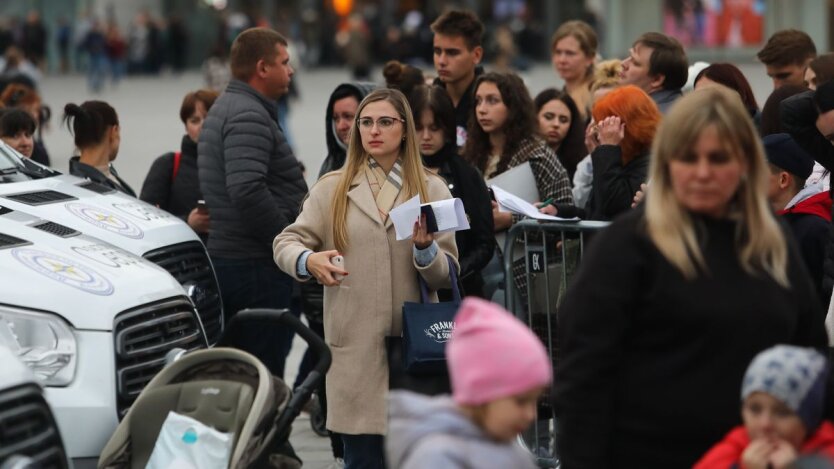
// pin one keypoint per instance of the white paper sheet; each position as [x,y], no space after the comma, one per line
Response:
[449,214]
[518,205]
[520,181]
[404,216]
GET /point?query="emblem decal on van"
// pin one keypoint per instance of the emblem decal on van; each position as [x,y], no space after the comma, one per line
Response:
[107,255]
[105,220]
[441,331]
[64,270]
[142,211]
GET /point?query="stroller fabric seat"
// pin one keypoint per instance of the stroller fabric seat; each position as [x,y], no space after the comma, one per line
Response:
[223,405]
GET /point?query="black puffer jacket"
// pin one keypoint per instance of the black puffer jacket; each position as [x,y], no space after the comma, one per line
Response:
[177,196]
[249,177]
[336,152]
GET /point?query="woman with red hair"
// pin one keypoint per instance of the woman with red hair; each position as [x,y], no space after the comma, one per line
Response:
[626,121]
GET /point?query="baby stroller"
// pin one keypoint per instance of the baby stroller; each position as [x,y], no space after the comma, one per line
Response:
[249,402]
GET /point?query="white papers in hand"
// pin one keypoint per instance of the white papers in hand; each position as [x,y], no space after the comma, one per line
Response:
[520,206]
[404,216]
[448,214]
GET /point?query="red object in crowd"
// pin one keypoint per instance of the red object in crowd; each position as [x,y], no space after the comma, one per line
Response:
[727,453]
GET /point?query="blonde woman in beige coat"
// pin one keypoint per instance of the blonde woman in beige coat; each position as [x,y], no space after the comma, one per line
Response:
[346,213]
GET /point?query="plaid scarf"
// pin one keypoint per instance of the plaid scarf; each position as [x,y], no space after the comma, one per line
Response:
[385,187]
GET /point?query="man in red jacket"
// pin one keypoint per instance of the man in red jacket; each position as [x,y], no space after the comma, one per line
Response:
[782,405]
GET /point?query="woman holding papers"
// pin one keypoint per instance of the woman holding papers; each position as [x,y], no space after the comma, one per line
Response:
[347,214]
[503,134]
[673,300]
[434,116]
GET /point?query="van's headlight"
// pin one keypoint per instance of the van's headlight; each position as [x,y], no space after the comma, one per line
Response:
[43,342]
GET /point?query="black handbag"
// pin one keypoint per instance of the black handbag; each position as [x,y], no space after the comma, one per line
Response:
[427,327]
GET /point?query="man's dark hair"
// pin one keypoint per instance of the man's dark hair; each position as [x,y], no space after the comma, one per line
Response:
[14,121]
[253,45]
[462,23]
[787,47]
[668,59]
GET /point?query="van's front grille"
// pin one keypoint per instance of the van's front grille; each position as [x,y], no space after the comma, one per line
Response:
[142,338]
[190,265]
[28,430]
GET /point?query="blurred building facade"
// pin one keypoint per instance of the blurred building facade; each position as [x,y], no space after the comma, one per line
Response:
[313,23]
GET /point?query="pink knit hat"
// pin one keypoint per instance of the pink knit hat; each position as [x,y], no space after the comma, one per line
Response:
[492,355]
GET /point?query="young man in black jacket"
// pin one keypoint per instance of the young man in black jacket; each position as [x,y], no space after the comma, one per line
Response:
[457,53]
[253,187]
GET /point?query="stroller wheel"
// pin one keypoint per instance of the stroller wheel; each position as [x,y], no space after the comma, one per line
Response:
[318,419]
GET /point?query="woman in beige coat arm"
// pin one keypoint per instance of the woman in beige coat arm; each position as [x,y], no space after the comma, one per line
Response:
[346,213]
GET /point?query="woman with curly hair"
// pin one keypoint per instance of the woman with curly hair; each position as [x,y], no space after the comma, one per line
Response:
[502,135]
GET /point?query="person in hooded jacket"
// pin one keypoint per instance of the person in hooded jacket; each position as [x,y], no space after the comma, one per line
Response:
[172,183]
[806,210]
[498,369]
[339,120]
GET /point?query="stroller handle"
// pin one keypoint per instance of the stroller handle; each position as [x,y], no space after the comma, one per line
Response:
[279,434]
[285,318]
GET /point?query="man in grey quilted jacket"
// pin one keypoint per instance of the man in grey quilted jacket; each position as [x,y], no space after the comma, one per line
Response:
[253,187]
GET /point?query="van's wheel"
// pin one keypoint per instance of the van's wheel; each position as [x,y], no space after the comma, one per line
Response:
[318,419]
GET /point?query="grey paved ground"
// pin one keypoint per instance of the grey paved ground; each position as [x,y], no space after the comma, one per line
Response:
[149,109]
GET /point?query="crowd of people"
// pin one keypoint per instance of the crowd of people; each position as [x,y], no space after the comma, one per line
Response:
[695,329]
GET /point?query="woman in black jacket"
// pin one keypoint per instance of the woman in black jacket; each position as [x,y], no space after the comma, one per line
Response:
[95,127]
[434,117]
[671,303]
[172,183]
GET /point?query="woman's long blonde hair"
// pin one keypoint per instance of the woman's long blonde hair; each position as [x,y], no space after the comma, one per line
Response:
[414,177]
[760,243]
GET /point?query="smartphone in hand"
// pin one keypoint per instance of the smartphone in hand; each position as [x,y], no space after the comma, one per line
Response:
[338,261]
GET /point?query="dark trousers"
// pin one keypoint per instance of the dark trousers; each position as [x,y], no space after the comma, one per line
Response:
[363,452]
[256,283]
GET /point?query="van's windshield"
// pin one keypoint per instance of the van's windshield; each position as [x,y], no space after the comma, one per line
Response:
[15,167]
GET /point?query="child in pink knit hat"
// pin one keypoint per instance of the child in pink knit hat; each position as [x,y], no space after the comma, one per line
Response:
[498,369]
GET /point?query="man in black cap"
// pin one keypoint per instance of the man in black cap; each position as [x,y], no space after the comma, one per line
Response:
[806,210]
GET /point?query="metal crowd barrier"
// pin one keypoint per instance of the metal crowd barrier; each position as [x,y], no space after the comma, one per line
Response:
[539,258]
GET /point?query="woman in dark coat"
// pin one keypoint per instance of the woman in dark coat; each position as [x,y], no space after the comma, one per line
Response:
[172,183]
[434,117]
[671,303]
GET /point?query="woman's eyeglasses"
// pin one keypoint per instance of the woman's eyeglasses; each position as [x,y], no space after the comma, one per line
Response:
[384,123]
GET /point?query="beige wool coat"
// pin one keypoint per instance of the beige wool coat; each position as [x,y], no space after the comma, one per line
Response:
[367,306]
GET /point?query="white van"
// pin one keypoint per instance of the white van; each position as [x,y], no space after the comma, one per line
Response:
[104,286]
[29,436]
[135,226]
